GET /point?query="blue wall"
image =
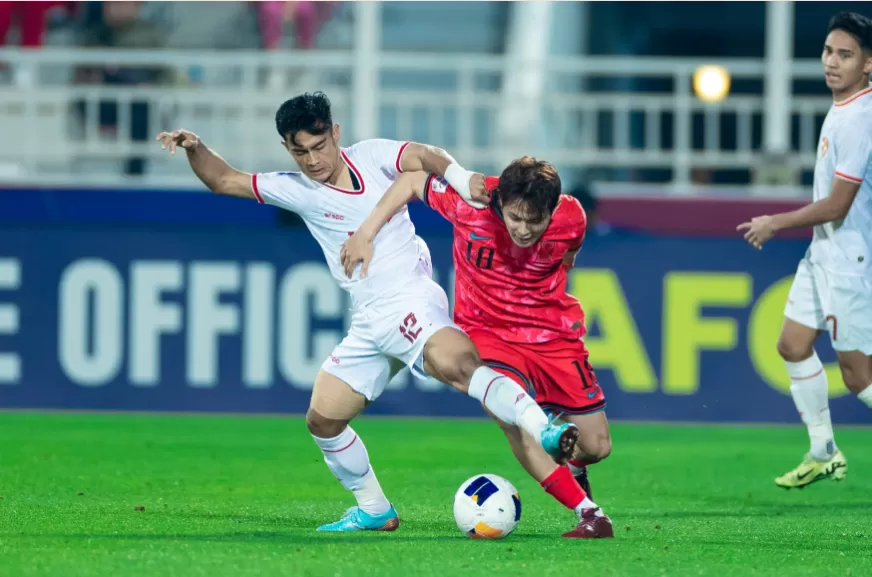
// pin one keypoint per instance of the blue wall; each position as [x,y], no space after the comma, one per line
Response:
[220,318]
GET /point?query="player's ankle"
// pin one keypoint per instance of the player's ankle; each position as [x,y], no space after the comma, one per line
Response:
[588,504]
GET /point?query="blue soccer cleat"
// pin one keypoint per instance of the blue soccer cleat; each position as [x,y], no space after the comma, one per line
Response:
[356,519]
[558,440]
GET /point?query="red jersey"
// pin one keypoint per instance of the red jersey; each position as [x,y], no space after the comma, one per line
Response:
[519,294]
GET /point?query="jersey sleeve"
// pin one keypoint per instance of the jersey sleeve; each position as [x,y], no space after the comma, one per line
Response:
[573,221]
[439,196]
[383,153]
[854,152]
[279,189]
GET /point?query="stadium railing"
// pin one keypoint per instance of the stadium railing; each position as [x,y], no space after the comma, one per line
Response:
[634,113]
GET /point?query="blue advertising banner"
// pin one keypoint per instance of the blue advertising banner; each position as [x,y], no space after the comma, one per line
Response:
[240,319]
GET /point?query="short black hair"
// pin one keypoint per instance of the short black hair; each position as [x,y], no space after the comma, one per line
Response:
[857,25]
[533,182]
[306,112]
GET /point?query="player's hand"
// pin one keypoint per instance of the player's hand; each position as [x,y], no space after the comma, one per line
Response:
[176,138]
[477,190]
[358,248]
[758,231]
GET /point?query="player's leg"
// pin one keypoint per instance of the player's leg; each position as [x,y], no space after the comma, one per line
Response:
[417,329]
[566,386]
[856,367]
[804,320]
[349,380]
[571,390]
[450,356]
[528,453]
[847,308]
[556,480]
[849,311]
[594,444]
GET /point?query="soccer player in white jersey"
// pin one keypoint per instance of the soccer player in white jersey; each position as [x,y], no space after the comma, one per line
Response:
[400,315]
[832,290]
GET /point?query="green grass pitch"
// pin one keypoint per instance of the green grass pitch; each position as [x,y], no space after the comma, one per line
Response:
[129,495]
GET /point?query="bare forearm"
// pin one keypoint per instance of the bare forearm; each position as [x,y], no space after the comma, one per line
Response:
[209,167]
[397,196]
[816,213]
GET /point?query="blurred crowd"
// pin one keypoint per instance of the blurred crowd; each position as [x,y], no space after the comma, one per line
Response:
[128,24]
[123,25]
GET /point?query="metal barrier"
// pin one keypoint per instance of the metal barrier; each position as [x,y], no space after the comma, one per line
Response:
[53,132]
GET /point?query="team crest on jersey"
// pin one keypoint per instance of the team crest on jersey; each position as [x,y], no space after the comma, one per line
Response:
[546,251]
[825,146]
[438,184]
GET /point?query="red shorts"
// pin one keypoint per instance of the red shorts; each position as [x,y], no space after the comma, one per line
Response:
[557,374]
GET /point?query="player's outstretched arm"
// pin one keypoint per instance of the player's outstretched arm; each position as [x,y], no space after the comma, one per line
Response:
[210,168]
[834,207]
[424,158]
[359,247]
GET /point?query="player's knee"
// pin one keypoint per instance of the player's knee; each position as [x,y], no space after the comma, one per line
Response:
[604,449]
[793,351]
[460,369]
[452,358]
[593,449]
[321,426]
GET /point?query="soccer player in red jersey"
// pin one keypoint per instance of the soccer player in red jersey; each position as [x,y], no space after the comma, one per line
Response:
[511,259]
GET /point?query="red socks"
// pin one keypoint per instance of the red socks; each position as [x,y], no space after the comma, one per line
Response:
[562,486]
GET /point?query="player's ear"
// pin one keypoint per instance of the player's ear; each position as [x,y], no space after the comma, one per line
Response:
[335,132]
[867,66]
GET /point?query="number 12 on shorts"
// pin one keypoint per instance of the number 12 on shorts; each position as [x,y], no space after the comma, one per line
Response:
[410,328]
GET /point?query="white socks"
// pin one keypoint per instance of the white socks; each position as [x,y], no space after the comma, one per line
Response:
[808,387]
[348,460]
[588,504]
[866,396]
[508,401]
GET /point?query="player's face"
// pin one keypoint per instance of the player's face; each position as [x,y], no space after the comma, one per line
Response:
[525,227]
[317,155]
[846,65]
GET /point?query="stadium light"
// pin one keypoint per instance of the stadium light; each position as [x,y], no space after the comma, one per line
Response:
[711,83]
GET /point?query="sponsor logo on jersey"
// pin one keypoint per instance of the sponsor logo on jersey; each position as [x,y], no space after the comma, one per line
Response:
[825,146]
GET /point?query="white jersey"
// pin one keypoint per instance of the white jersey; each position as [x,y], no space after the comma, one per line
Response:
[845,151]
[332,214]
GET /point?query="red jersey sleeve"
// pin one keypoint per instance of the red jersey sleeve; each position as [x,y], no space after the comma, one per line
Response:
[570,221]
[439,196]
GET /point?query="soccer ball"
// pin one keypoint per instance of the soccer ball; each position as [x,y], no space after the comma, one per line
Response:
[487,507]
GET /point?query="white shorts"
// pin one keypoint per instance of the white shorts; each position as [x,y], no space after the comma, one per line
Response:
[389,334]
[840,304]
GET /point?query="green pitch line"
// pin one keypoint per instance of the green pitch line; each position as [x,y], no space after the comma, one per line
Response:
[233,496]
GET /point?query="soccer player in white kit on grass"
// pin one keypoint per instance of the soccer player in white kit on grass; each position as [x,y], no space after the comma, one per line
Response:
[832,290]
[400,315]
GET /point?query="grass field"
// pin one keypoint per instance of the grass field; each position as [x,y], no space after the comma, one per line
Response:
[242,496]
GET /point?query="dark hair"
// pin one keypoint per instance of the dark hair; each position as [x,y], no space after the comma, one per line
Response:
[857,25]
[306,112]
[533,182]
